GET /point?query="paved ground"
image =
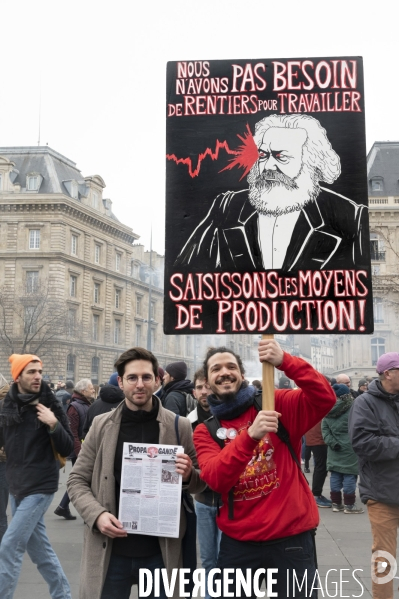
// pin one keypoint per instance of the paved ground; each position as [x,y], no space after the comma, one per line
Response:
[343,543]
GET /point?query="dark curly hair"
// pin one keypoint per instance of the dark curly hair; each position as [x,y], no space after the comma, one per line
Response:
[221,350]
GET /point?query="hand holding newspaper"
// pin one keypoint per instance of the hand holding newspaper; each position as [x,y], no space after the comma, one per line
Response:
[150,496]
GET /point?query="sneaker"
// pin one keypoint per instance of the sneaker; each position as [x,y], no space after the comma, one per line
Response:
[64,513]
[337,507]
[353,509]
[306,470]
[323,501]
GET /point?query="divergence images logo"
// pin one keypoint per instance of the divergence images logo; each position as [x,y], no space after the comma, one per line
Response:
[152,452]
[383,562]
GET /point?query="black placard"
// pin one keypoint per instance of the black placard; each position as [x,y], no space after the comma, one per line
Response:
[266,197]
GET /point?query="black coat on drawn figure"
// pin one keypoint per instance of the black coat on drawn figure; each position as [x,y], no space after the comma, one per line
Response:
[329,233]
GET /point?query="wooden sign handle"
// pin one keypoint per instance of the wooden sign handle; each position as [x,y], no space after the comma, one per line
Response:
[267,382]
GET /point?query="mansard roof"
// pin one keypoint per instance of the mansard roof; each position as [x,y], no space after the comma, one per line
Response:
[383,165]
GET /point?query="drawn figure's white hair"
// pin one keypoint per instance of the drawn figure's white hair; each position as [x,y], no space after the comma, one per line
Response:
[317,150]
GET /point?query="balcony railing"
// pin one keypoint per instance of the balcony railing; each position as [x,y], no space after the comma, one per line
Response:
[378,256]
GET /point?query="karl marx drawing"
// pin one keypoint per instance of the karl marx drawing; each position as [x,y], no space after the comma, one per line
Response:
[286,219]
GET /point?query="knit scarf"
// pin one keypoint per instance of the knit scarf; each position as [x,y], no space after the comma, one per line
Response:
[227,410]
[344,403]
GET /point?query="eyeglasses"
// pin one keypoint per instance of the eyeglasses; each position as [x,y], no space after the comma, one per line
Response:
[132,379]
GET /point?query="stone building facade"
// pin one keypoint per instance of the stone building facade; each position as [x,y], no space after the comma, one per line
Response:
[62,248]
[357,355]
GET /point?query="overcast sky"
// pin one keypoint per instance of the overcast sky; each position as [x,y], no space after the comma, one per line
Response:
[102,70]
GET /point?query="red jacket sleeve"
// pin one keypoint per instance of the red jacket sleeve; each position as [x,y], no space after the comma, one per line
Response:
[303,408]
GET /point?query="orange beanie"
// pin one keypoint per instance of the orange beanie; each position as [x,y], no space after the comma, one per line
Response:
[19,361]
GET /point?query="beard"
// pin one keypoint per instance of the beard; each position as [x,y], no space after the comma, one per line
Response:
[272,193]
[227,396]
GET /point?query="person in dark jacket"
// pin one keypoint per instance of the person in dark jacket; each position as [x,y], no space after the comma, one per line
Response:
[175,387]
[362,387]
[206,502]
[315,444]
[82,398]
[110,397]
[341,459]
[374,432]
[63,396]
[33,426]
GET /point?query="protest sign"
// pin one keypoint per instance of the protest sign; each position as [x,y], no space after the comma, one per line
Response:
[266,197]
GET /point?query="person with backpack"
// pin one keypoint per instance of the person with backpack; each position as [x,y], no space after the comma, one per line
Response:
[251,456]
[177,390]
[82,398]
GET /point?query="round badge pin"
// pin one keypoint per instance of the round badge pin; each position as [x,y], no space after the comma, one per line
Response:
[231,433]
[221,433]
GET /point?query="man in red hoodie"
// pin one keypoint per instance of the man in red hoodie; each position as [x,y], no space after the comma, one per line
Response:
[268,513]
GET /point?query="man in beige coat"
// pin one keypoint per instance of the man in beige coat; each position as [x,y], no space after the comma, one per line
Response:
[111,558]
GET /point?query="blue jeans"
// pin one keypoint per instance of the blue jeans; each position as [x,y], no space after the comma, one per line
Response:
[3,499]
[345,481]
[123,573]
[208,537]
[27,532]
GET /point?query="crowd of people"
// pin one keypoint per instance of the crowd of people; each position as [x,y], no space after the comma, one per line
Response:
[242,464]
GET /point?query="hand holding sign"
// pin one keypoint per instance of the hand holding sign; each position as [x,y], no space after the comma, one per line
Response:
[270,351]
[265,422]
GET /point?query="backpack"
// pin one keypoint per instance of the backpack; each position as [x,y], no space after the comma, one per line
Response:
[213,424]
[191,403]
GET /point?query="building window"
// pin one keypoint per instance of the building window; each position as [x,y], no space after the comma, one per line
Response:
[96,293]
[32,183]
[30,320]
[117,331]
[95,200]
[375,269]
[134,270]
[377,249]
[74,190]
[138,304]
[97,253]
[73,283]
[377,349]
[378,306]
[34,239]
[117,298]
[71,322]
[32,281]
[152,310]
[74,245]
[96,327]
[117,262]
[376,185]
[138,335]
[152,339]
[70,368]
[95,370]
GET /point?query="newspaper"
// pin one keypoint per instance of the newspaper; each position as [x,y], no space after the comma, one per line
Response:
[151,488]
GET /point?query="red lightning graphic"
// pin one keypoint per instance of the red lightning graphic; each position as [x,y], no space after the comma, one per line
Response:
[208,152]
[244,157]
